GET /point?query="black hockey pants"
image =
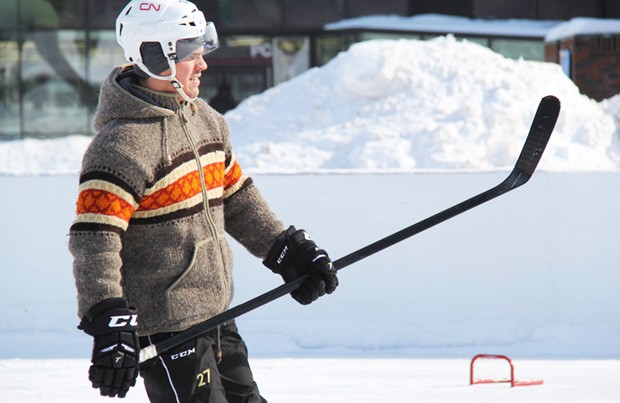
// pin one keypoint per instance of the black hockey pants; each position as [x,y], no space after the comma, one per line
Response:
[191,372]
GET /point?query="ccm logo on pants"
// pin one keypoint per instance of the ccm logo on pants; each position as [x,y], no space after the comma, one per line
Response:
[183,354]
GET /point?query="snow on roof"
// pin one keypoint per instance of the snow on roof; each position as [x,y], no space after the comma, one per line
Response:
[447,24]
[583,26]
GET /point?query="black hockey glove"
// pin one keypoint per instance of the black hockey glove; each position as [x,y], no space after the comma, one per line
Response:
[114,361]
[294,255]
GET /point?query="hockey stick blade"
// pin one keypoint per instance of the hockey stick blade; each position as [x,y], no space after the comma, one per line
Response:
[535,143]
[538,137]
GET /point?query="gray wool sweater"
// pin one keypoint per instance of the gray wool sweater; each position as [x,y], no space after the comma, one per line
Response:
[159,188]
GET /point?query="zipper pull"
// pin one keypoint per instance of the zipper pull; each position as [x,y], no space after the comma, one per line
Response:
[182,115]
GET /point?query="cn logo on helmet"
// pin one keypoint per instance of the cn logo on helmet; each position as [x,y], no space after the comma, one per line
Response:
[149,6]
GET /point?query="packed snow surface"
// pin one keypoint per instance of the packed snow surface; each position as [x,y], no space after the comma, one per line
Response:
[299,380]
[395,106]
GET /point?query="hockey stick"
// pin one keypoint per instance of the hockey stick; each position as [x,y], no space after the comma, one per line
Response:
[537,139]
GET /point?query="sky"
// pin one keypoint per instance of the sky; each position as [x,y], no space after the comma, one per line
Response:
[429,124]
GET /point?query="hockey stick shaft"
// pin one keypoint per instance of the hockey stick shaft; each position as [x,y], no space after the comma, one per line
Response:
[537,139]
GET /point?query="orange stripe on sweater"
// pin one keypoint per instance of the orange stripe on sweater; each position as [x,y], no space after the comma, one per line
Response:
[184,188]
[233,176]
[95,201]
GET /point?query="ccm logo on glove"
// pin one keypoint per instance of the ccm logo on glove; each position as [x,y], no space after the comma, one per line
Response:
[283,254]
[294,255]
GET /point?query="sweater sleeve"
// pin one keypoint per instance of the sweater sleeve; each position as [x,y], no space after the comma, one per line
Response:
[247,215]
[250,221]
[106,201]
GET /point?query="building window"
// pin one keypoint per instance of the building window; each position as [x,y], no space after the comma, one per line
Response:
[519,48]
[564,57]
[9,90]
[55,94]
[328,46]
[243,63]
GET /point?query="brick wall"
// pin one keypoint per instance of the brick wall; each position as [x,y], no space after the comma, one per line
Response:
[552,52]
[595,63]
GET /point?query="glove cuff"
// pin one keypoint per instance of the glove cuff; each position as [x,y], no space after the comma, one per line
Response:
[106,305]
[279,252]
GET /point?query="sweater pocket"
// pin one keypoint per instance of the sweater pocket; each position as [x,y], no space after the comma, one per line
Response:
[203,288]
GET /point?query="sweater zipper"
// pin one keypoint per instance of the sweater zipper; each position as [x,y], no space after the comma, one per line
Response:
[205,200]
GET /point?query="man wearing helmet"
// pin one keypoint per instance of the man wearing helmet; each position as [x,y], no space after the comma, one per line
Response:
[159,188]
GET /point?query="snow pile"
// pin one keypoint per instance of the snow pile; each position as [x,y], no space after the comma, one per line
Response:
[417,105]
[43,157]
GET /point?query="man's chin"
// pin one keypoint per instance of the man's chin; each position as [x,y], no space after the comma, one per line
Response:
[191,93]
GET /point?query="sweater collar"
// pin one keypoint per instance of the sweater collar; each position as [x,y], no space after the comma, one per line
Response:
[129,80]
[166,100]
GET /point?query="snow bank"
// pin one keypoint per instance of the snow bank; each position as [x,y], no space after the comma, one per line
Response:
[42,157]
[409,105]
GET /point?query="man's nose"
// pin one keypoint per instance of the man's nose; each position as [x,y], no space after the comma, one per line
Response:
[202,64]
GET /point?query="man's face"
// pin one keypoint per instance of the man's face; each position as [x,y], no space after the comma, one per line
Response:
[189,71]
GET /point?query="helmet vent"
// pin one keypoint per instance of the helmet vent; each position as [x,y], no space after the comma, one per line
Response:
[128,10]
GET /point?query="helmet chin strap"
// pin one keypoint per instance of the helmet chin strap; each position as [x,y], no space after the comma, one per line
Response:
[179,87]
[172,78]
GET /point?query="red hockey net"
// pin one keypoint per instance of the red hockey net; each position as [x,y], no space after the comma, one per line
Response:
[492,368]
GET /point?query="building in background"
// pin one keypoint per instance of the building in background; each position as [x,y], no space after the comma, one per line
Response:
[588,50]
[54,54]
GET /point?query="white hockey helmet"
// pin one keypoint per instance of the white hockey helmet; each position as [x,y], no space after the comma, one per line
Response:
[177,25]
